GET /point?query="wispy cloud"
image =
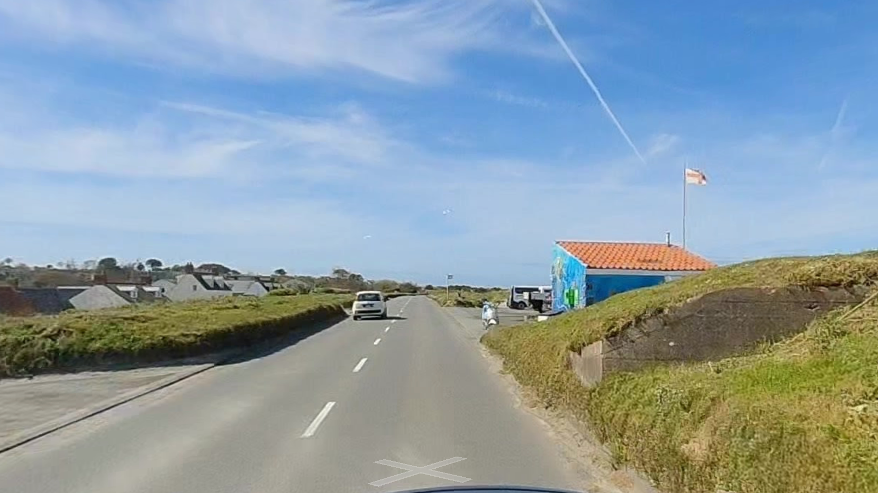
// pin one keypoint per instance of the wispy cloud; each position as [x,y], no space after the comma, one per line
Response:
[662,143]
[350,134]
[588,79]
[455,139]
[411,41]
[797,18]
[144,151]
[508,97]
[187,140]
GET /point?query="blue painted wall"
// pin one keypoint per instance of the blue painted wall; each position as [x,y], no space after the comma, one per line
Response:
[601,287]
[568,281]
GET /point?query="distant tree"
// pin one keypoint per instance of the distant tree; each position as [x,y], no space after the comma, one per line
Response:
[54,278]
[89,264]
[220,269]
[340,273]
[189,268]
[140,267]
[308,281]
[108,263]
[7,261]
[408,287]
[153,263]
[429,287]
[386,285]
[50,266]
[280,272]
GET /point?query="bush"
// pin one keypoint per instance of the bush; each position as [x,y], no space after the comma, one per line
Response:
[283,292]
[332,291]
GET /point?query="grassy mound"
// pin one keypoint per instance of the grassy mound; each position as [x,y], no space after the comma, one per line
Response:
[800,416]
[144,333]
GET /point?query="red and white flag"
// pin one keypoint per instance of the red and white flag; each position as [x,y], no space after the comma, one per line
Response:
[695,177]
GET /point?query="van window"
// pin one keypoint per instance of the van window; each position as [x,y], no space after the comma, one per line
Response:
[525,290]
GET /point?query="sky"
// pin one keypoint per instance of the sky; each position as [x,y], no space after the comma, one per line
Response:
[411,139]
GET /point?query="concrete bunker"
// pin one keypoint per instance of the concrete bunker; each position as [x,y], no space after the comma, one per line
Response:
[714,326]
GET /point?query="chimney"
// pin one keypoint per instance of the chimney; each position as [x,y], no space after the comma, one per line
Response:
[668,238]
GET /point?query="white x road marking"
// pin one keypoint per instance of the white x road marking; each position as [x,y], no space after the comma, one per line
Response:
[415,471]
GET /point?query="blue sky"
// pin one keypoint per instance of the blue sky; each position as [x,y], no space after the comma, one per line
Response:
[274,133]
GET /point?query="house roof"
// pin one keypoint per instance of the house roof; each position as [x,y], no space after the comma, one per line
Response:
[67,292]
[212,283]
[636,256]
[240,287]
[45,300]
[124,295]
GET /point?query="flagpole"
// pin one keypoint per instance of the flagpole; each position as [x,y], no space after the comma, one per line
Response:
[685,166]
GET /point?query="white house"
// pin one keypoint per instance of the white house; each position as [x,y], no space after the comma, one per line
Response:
[199,287]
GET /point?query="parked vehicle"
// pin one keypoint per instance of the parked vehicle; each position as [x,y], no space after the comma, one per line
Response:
[542,299]
[370,304]
[520,296]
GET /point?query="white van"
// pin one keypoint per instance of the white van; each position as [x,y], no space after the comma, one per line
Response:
[519,296]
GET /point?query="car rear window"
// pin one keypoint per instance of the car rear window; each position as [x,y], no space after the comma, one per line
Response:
[369,297]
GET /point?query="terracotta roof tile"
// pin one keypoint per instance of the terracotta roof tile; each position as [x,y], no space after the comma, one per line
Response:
[635,256]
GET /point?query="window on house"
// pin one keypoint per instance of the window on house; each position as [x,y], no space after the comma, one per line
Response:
[194,288]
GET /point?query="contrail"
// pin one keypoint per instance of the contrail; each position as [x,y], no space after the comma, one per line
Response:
[594,88]
[835,133]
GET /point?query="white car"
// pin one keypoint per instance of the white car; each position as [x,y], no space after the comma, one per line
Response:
[370,304]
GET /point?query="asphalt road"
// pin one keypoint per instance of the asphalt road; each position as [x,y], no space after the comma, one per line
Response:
[303,420]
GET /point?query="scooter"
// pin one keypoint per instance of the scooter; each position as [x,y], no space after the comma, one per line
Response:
[489,316]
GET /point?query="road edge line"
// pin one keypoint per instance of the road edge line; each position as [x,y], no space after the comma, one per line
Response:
[74,417]
[68,419]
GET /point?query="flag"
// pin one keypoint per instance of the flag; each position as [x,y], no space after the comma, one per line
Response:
[695,177]
[450,277]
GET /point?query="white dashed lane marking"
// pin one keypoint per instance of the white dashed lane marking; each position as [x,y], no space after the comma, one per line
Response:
[360,365]
[376,341]
[312,428]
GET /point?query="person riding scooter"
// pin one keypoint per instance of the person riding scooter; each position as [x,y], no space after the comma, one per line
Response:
[489,314]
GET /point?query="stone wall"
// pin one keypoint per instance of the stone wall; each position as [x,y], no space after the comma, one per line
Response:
[709,328]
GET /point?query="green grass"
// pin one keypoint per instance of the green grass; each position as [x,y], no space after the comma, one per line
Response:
[468,299]
[802,415]
[144,333]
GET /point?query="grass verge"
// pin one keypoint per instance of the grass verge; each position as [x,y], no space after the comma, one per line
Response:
[145,333]
[467,299]
[802,415]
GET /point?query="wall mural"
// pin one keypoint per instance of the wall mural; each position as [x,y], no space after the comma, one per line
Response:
[568,281]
